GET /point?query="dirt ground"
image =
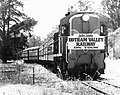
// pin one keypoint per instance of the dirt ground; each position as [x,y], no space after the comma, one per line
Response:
[47,83]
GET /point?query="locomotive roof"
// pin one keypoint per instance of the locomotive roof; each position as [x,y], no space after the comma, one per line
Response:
[65,20]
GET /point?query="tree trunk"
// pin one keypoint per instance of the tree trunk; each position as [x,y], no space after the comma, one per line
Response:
[4,56]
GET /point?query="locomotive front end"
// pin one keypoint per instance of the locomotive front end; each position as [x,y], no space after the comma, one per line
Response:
[86,45]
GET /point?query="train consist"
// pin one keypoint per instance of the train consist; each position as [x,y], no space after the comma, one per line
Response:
[79,47]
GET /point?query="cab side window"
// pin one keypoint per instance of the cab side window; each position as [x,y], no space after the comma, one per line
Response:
[65,30]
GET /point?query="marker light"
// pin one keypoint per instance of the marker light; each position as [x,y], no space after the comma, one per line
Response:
[85,17]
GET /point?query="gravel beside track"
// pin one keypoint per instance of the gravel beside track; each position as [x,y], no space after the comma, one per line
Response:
[103,87]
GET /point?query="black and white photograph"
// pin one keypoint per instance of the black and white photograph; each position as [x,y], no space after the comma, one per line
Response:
[59,47]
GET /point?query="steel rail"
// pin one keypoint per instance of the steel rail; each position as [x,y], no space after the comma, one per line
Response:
[109,84]
[96,89]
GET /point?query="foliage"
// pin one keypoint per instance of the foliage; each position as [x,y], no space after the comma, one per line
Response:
[112,7]
[35,41]
[50,35]
[15,27]
[113,42]
[82,5]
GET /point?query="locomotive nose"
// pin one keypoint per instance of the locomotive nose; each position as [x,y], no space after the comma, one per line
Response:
[77,58]
[71,60]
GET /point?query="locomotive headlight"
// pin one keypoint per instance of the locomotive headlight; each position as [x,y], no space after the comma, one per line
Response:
[85,17]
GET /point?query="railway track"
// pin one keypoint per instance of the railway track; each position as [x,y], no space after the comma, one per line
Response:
[94,88]
[109,83]
[103,87]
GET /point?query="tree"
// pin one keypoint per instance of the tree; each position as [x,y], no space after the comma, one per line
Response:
[112,7]
[35,41]
[88,5]
[50,35]
[82,5]
[15,27]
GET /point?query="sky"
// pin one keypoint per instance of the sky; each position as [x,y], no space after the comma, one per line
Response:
[48,13]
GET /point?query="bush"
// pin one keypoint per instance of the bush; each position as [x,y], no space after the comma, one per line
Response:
[114,42]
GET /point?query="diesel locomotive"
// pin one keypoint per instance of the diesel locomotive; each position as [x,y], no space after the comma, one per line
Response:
[78,49]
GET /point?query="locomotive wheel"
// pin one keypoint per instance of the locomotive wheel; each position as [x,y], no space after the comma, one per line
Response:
[57,67]
[97,75]
[59,73]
